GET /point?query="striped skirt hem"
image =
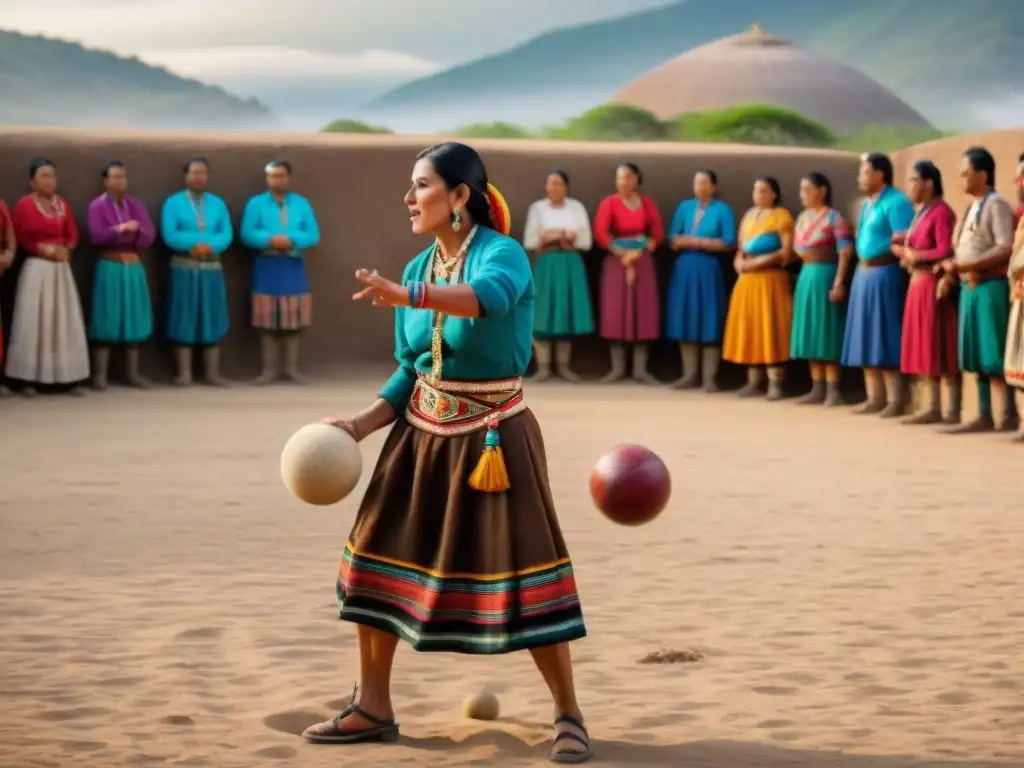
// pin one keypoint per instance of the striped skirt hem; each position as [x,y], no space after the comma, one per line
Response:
[461,613]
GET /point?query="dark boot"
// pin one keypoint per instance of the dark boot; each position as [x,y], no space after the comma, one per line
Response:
[211,367]
[268,359]
[183,360]
[617,355]
[775,375]
[640,372]
[100,367]
[932,412]
[132,364]
[816,396]
[897,396]
[711,357]
[563,361]
[952,416]
[833,395]
[291,359]
[755,380]
[690,356]
[542,354]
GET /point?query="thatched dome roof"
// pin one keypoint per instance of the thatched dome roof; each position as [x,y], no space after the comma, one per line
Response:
[757,67]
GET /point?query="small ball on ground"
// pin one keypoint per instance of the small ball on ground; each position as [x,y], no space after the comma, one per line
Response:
[480,706]
[321,464]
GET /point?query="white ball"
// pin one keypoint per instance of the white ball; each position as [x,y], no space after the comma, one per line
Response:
[321,464]
[481,706]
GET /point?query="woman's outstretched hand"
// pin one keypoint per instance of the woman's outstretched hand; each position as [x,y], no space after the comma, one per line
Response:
[380,291]
[348,425]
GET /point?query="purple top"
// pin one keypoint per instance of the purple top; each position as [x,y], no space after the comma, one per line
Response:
[105,213]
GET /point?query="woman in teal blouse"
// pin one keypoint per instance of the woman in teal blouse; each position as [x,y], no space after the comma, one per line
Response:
[454,537]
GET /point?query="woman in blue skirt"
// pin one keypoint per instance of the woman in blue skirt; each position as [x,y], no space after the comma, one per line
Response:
[702,228]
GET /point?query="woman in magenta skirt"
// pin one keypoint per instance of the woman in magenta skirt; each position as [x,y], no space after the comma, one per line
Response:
[929,344]
[629,228]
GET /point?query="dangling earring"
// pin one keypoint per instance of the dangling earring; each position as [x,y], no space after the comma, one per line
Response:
[456,220]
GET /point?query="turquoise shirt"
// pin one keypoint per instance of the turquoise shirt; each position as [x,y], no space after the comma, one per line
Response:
[881,219]
[179,223]
[497,345]
[718,223]
[262,220]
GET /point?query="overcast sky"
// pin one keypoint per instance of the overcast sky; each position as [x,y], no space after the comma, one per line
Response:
[361,39]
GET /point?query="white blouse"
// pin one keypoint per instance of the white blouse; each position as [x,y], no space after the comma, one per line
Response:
[570,215]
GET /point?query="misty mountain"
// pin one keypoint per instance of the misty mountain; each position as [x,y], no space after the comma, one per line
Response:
[956,62]
[53,82]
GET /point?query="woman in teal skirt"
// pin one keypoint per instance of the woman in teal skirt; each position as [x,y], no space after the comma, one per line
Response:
[824,245]
[557,231]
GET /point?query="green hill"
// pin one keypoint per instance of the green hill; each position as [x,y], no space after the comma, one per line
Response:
[54,82]
[936,55]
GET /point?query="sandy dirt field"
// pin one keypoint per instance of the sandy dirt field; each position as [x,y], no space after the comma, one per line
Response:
[853,585]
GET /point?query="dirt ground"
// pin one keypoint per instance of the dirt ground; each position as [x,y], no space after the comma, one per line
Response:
[853,585]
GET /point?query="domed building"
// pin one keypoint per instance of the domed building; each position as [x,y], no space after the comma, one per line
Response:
[757,67]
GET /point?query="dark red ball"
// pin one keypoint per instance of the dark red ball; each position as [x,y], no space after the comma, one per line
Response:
[630,485]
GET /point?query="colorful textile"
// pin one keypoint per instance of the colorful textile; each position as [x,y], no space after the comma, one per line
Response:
[761,230]
[695,309]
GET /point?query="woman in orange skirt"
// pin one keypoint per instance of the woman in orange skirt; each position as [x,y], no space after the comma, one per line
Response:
[760,320]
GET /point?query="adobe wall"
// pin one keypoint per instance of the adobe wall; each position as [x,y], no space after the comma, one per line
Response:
[356,185]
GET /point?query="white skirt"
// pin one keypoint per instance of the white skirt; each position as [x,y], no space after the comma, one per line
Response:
[47,344]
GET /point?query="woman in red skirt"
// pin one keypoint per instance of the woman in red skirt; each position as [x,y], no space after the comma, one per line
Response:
[929,343]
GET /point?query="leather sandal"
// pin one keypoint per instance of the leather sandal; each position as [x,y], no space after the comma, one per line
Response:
[571,756]
[380,730]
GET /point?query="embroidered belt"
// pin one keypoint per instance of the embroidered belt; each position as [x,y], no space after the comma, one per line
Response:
[451,408]
[887,260]
[120,257]
[190,262]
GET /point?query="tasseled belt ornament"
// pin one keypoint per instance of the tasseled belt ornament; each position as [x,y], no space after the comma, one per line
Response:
[451,408]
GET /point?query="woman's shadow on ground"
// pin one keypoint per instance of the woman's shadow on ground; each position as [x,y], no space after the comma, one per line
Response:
[511,752]
[493,746]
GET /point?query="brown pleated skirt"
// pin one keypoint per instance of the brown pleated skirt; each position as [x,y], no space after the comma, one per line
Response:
[449,568]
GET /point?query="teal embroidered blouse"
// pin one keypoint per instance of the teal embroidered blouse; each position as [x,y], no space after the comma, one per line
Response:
[497,345]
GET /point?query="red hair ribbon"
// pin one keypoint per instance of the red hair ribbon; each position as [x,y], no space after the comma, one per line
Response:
[500,215]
